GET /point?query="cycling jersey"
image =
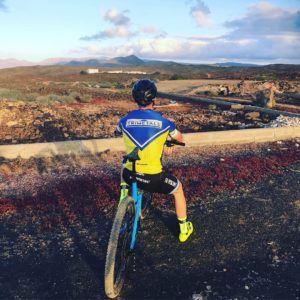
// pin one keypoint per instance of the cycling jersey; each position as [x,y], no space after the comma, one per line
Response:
[147,130]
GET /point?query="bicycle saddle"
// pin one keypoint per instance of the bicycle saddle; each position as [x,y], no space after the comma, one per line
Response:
[133,155]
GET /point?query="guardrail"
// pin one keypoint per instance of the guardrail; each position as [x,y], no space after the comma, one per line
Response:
[87,147]
[226,104]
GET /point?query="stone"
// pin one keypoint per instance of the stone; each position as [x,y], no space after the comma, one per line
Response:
[11,123]
[254,115]
[212,106]
[237,107]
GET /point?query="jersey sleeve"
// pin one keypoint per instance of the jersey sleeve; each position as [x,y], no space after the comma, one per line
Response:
[172,129]
[118,130]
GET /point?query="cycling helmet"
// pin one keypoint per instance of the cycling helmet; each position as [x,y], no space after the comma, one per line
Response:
[144,91]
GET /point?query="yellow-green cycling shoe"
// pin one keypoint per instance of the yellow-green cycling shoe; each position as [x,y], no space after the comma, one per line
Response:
[184,236]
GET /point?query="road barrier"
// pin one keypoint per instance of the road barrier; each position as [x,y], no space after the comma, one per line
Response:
[84,147]
[226,104]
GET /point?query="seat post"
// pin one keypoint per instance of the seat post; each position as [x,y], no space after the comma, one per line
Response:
[133,167]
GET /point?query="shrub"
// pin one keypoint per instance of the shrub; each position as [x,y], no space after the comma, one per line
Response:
[176,77]
[67,99]
[31,97]
[44,100]
[11,94]
[76,96]
[266,77]
[85,98]
[52,98]
[106,85]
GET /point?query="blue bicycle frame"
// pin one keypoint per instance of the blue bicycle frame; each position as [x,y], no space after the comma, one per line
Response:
[137,198]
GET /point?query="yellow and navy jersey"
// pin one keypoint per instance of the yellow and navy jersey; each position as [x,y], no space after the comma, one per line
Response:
[147,130]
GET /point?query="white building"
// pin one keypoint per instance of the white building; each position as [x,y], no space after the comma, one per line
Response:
[123,72]
[92,71]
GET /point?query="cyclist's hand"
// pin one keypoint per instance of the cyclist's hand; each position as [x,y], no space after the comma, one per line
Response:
[169,150]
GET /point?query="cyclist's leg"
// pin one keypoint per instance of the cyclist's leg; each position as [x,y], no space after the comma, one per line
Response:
[180,202]
[186,228]
[169,184]
[166,183]
[124,186]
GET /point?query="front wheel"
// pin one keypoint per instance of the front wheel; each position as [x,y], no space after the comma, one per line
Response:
[118,250]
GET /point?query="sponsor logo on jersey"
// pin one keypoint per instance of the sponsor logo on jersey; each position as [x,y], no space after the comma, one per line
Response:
[143,123]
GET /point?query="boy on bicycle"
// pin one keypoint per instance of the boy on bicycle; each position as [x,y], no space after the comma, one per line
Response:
[148,130]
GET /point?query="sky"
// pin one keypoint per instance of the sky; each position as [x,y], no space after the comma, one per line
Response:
[200,31]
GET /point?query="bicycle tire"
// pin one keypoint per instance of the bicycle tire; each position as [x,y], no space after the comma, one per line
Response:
[146,204]
[120,238]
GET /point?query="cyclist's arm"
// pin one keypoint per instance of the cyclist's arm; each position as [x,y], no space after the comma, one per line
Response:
[177,135]
[174,133]
[118,130]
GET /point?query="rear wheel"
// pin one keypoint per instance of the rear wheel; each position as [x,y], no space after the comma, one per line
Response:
[118,250]
[146,204]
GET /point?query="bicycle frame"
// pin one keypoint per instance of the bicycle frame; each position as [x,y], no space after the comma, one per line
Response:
[137,198]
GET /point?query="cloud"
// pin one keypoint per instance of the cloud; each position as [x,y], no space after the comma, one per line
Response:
[151,48]
[201,13]
[149,29]
[273,32]
[116,17]
[114,32]
[2,5]
[215,49]
[266,33]
[265,19]
[120,29]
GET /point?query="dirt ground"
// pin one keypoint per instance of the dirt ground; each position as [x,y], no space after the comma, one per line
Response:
[240,88]
[31,121]
[22,122]
[244,201]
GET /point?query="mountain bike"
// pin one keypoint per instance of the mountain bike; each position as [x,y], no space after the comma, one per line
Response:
[123,234]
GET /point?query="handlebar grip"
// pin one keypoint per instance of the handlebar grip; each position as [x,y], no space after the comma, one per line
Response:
[171,143]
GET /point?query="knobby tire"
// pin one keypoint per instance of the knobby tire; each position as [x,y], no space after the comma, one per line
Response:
[116,263]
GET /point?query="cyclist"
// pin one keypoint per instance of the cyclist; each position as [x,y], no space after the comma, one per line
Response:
[148,130]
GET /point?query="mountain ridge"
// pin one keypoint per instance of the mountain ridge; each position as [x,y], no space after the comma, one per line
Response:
[120,61]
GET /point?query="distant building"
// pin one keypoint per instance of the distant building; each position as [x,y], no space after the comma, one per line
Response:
[92,71]
[135,72]
[114,72]
[123,72]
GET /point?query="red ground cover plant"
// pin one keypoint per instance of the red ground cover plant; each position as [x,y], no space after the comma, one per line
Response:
[98,101]
[6,207]
[92,193]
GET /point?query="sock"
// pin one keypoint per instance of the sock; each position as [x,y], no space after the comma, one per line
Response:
[183,225]
[123,190]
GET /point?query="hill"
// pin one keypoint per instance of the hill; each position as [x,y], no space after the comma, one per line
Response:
[130,60]
[11,62]
[133,60]
[156,70]
[235,64]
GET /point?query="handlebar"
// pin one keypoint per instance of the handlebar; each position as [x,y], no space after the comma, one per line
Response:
[172,142]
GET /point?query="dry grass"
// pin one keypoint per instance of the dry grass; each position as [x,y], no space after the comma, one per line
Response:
[184,86]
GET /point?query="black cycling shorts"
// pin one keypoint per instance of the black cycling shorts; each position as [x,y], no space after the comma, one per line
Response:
[163,182]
